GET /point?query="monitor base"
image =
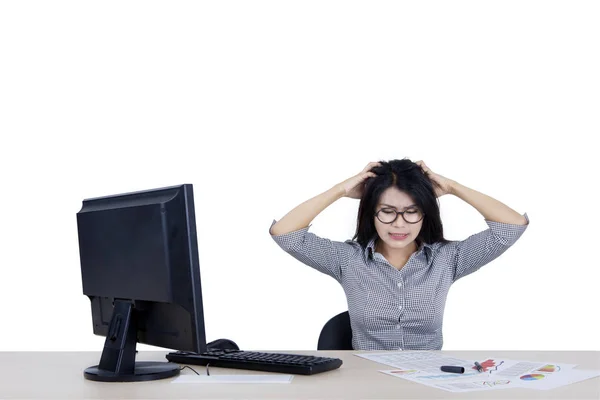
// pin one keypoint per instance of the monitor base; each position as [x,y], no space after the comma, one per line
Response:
[117,362]
[144,371]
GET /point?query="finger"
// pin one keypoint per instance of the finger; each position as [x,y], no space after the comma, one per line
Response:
[422,165]
[371,165]
[366,175]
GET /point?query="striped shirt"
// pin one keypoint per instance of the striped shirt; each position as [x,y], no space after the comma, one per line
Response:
[393,309]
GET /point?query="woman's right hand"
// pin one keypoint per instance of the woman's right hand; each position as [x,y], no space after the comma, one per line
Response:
[355,186]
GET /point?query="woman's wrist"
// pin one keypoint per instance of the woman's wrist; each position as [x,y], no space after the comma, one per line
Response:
[338,190]
[453,187]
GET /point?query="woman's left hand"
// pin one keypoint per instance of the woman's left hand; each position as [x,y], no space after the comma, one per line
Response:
[444,185]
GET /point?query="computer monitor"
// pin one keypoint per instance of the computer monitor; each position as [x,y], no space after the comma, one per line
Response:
[140,269]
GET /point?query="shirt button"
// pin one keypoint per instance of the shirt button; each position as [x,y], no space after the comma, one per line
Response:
[399,284]
[398,326]
[399,307]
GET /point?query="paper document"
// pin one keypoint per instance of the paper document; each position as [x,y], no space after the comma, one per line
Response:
[424,367]
[572,376]
[456,382]
[542,376]
[275,378]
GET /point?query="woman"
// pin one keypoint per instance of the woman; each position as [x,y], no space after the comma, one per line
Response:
[397,270]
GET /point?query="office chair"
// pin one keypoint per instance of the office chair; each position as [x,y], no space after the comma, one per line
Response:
[336,334]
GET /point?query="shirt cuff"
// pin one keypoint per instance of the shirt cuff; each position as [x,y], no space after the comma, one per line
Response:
[508,233]
[288,241]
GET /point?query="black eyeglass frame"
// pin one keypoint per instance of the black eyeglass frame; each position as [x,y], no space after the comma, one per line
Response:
[399,213]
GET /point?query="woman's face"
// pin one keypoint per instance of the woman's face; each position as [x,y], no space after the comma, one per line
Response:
[400,233]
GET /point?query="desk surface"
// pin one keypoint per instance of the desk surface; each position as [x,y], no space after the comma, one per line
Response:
[59,375]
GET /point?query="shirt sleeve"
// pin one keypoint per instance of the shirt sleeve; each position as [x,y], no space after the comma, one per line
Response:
[324,255]
[481,248]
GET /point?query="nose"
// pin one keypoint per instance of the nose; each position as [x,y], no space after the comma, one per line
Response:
[399,222]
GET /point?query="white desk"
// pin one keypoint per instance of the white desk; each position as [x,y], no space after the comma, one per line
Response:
[59,375]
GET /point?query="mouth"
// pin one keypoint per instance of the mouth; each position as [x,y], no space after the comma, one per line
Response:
[398,236]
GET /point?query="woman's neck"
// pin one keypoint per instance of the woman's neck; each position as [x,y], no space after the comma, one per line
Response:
[395,256]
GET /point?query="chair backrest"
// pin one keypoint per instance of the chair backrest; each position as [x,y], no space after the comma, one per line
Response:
[336,334]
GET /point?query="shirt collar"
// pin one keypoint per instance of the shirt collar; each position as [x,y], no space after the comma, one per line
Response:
[423,248]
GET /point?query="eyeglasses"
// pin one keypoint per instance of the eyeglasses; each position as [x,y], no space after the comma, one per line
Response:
[389,215]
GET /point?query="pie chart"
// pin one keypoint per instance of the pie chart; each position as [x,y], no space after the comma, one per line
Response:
[548,368]
[532,377]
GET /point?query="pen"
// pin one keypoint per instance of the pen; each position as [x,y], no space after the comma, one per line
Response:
[479,367]
[453,369]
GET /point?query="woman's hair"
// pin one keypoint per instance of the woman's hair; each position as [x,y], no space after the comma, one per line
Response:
[410,178]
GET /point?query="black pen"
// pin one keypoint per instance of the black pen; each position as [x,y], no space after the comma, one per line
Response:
[479,367]
[453,369]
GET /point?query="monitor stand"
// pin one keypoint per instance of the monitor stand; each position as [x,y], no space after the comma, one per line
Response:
[117,363]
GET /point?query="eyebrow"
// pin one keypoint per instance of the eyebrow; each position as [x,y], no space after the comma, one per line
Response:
[407,207]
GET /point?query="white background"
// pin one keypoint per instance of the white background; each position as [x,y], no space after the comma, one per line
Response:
[262,105]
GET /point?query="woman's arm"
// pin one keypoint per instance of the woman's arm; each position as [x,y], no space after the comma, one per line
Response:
[327,256]
[301,216]
[490,208]
[505,227]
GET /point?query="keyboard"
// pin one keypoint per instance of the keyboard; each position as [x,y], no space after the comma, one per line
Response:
[294,364]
